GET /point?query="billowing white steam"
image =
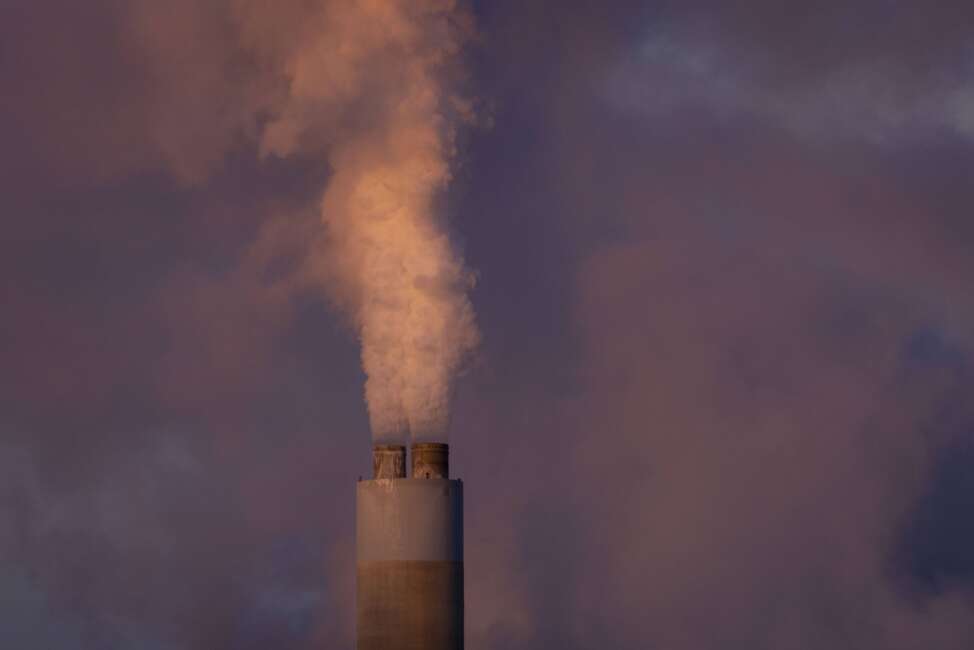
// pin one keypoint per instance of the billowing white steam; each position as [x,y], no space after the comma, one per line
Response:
[373,81]
[413,315]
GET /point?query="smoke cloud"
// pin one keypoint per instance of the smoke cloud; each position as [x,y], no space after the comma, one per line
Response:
[386,257]
[371,87]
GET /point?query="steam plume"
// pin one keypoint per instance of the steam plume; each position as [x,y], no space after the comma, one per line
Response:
[374,82]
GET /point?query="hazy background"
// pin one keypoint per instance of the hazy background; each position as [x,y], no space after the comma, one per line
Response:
[723,396]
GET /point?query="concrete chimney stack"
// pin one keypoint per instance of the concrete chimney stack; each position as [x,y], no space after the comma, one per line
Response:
[431,460]
[409,545]
[389,461]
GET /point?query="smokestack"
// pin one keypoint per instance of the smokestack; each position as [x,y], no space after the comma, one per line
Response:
[389,461]
[409,545]
[431,460]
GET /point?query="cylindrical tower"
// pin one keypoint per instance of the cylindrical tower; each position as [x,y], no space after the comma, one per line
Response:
[409,538]
[389,461]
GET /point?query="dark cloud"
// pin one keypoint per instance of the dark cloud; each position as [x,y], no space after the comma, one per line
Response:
[723,257]
[879,71]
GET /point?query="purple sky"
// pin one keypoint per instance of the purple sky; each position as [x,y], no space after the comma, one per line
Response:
[723,399]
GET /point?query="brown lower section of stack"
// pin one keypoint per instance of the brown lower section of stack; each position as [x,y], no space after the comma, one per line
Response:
[410,605]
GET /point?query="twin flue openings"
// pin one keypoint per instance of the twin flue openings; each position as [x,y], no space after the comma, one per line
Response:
[431,460]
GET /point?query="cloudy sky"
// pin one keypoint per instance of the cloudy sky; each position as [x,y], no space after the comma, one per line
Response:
[724,255]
